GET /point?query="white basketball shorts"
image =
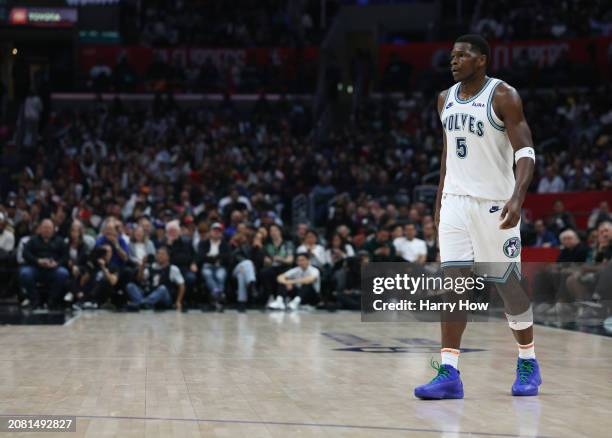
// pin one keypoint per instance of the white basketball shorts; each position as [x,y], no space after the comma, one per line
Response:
[470,234]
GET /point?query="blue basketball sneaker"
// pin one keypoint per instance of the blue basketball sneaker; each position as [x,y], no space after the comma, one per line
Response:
[447,384]
[527,377]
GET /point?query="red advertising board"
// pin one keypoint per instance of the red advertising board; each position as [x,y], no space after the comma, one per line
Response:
[141,57]
[580,204]
[422,56]
[426,56]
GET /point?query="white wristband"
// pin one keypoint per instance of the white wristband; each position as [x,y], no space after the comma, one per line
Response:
[528,152]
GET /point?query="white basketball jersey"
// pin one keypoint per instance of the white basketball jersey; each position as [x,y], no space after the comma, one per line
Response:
[479,156]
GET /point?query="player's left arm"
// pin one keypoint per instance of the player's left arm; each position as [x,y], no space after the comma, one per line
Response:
[509,107]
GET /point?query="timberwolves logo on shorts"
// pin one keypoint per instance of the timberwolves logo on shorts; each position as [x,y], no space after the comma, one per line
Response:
[512,247]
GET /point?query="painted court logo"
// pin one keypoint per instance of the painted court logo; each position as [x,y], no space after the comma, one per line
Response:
[512,247]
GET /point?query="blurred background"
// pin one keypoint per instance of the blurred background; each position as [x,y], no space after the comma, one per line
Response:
[278,127]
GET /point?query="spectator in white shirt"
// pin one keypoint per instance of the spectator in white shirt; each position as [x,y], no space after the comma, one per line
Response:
[410,248]
[7,238]
[302,284]
[140,246]
[599,215]
[551,182]
[315,252]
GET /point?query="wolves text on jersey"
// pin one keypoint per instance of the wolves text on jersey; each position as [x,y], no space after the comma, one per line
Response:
[463,122]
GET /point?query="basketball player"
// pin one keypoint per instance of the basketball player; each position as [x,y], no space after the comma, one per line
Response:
[478,206]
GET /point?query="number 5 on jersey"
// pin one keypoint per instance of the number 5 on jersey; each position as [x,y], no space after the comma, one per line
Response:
[461,147]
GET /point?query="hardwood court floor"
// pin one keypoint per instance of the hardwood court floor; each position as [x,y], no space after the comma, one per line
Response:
[280,375]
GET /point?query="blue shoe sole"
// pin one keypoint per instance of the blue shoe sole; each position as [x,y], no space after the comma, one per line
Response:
[525,394]
[454,397]
[442,396]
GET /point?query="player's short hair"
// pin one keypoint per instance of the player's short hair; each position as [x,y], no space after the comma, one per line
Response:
[478,43]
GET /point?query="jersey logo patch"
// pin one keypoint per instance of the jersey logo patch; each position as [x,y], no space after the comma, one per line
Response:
[494,209]
[449,105]
[512,247]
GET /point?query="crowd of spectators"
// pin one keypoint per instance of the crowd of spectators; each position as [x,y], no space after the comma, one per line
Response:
[238,23]
[513,20]
[282,23]
[225,74]
[199,199]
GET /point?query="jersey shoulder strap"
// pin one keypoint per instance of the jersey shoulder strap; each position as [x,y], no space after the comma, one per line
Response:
[450,98]
[495,121]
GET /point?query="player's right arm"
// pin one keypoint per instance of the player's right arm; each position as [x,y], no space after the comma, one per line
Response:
[441,100]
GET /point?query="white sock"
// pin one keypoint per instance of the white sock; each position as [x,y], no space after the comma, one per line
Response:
[450,356]
[527,351]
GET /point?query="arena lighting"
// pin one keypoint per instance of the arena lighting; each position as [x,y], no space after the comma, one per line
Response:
[14,51]
[349,89]
[18,16]
[340,86]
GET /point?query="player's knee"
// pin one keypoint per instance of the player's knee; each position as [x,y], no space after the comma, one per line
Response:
[521,321]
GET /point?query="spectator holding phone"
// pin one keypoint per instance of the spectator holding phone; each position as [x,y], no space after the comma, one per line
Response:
[159,283]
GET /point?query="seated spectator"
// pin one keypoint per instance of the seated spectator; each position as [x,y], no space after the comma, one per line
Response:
[544,237]
[182,255]
[410,248]
[601,250]
[338,250]
[315,252]
[337,253]
[140,246]
[431,241]
[302,284]
[45,259]
[578,181]
[278,257]
[159,283]
[583,283]
[111,235]
[381,247]
[572,249]
[350,297]
[550,284]
[200,235]
[560,219]
[300,233]
[234,202]
[7,253]
[78,253]
[397,233]
[213,256]
[551,182]
[599,215]
[100,280]
[236,220]
[247,258]
[7,238]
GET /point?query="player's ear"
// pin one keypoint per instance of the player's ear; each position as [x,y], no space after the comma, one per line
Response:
[482,62]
